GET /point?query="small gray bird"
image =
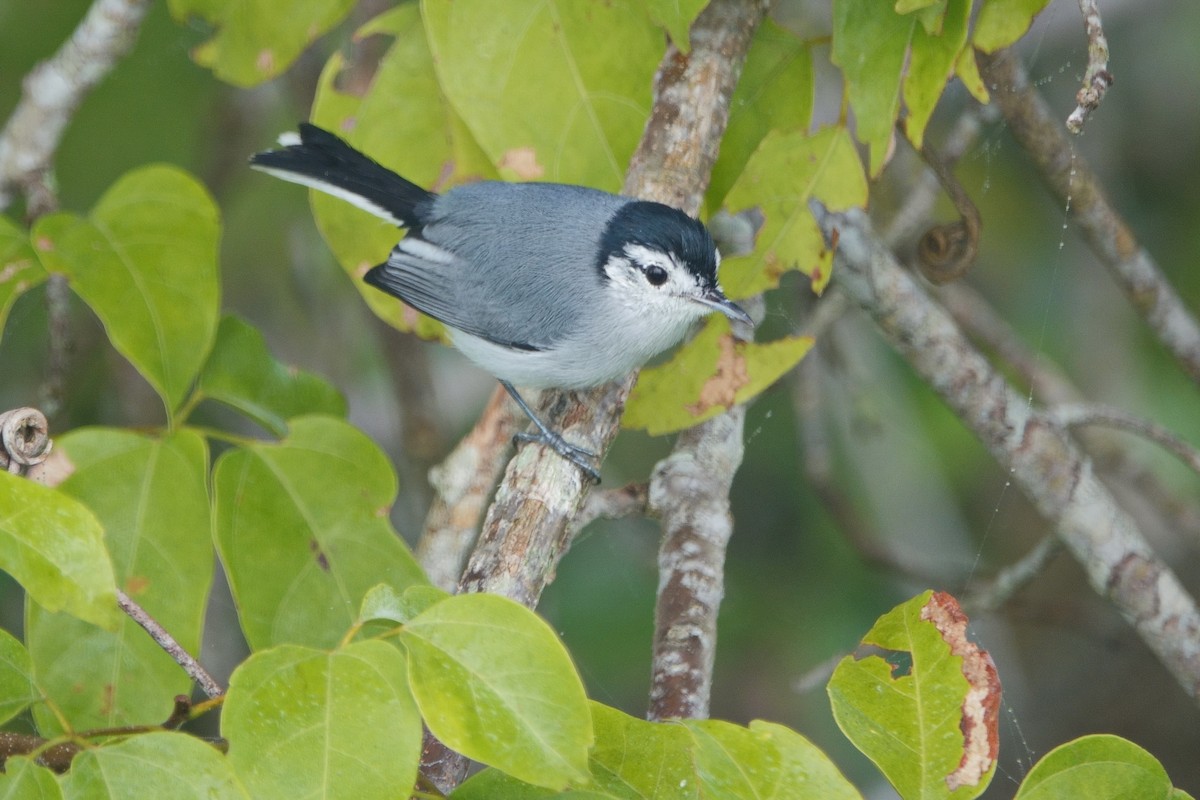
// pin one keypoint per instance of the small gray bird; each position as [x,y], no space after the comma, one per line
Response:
[543,285]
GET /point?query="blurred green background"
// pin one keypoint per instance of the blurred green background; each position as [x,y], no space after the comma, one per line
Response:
[798,593]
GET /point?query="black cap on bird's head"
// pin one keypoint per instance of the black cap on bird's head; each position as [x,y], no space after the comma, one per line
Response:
[655,239]
[665,229]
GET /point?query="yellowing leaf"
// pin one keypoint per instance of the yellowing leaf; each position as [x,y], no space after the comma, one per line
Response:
[775,92]
[967,71]
[708,376]
[785,171]
[258,39]
[1003,22]
[931,64]
[568,79]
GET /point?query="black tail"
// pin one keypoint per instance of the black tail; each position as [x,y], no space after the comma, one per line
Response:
[325,162]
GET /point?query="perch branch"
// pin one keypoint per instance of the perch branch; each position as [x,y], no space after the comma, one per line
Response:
[1077,187]
[1042,458]
[1096,79]
[55,88]
[172,648]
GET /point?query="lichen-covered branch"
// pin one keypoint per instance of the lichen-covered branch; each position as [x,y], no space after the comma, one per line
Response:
[689,491]
[1097,78]
[54,89]
[1042,458]
[1034,126]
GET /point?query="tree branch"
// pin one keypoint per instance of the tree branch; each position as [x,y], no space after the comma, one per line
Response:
[1077,187]
[1042,459]
[55,88]
[24,440]
[172,648]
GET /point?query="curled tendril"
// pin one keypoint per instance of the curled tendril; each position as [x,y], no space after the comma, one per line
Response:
[24,439]
[948,250]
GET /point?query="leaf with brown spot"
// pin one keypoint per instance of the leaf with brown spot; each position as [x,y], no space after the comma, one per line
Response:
[981,706]
[522,164]
[708,375]
[931,729]
[257,39]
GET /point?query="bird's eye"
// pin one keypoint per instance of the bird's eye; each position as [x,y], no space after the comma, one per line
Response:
[656,275]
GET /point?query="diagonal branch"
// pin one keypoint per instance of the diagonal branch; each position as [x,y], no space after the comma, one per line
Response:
[1041,456]
[55,88]
[1033,125]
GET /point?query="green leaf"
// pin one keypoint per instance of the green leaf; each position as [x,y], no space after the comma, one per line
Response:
[1098,767]
[677,17]
[54,547]
[146,263]
[302,529]
[1002,22]
[709,375]
[785,171]
[305,723]
[494,683]
[870,42]
[162,764]
[775,92]
[150,494]
[911,724]
[258,39]
[582,117]
[242,373]
[804,769]
[20,269]
[23,779]
[403,121]
[382,602]
[16,678]
[931,65]
[638,759]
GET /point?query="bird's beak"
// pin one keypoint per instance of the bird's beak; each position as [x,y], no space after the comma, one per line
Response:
[715,300]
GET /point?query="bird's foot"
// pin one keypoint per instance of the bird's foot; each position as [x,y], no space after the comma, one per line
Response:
[578,456]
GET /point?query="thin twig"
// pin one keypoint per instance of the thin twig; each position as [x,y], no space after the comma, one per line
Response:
[631,500]
[1077,414]
[1034,126]
[55,88]
[1041,457]
[1097,79]
[1014,577]
[172,648]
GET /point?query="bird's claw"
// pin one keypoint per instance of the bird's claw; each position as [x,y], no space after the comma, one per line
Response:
[577,455]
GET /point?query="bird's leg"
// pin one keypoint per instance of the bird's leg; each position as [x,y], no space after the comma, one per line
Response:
[573,453]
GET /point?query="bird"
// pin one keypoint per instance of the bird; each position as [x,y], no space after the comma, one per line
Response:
[543,285]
